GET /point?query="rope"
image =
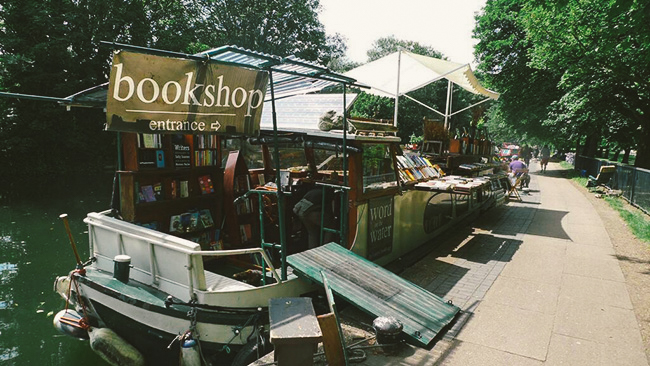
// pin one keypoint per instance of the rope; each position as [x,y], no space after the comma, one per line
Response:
[84,322]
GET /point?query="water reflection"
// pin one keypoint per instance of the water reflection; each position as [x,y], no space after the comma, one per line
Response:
[34,249]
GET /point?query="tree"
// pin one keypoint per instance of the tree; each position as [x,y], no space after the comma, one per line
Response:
[579,65]
[53,48]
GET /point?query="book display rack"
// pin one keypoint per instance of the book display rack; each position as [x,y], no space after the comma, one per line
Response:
[170,186]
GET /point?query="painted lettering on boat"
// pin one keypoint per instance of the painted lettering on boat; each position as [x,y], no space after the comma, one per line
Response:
[380,227]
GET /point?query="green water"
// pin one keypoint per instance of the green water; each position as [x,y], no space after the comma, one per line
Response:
[34,250]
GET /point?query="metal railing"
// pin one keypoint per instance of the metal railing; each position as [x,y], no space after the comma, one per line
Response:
[632,181]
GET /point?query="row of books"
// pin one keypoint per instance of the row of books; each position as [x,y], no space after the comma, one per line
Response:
[415,168]
[206,142]
[152,159]
[191,221]
[244,206]
[150,141]
[242,183]
[205,157]
[178,189]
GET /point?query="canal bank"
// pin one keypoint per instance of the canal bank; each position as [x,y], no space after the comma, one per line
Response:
[538,282]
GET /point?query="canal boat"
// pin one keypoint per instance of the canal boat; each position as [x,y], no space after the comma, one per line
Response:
[207,225]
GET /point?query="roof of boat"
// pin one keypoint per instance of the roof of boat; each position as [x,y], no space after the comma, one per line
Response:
[301,115]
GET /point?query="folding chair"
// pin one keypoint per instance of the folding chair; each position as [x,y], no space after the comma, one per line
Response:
[604,176]
[514,190]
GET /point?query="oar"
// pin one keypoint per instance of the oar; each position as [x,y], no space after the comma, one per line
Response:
[64,217]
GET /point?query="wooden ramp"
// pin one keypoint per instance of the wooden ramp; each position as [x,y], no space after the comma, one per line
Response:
[376,290]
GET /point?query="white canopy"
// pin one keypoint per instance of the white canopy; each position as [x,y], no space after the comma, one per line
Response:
[409,71]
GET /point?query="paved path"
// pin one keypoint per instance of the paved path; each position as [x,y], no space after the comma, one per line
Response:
[538,284]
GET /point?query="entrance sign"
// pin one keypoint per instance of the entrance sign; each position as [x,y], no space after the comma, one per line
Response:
[154,94]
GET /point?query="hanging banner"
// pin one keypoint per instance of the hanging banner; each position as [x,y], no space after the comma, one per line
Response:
[154,94]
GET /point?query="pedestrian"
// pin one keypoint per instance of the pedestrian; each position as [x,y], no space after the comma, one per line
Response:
[546,155]
[525,153]
[517,169]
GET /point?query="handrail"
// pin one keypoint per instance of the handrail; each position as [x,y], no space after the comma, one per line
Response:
[152,242]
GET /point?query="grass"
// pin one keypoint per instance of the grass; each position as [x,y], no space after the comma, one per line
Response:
[636,220]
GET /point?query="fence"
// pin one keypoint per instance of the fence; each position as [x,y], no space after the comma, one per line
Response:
[633,182]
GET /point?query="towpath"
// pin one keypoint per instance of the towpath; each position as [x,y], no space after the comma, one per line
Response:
[539,283]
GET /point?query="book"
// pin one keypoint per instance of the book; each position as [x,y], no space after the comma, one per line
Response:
[175,225]
[205,182]
[174,189]
[184,189]
[246,232]
[206,218]
[160,158]
[242,233]
[182,156]
[195,220]
[149,225]
[148,193]
[157,191]
[186,220]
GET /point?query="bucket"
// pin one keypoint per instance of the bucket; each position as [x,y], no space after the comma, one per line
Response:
[121,267]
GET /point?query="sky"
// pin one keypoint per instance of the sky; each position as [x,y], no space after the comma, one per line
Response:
[445,25]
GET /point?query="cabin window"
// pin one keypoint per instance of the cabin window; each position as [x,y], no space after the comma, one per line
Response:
[252,153]
[292,157]
[328,161]
[378,172]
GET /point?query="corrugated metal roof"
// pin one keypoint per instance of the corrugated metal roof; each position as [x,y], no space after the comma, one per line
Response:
[376,290]
[303,111]
[291,75]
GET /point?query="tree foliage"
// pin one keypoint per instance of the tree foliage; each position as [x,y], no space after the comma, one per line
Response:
[52,48]
[577,68]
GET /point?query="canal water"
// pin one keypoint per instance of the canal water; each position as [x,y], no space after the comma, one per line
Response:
[34,250]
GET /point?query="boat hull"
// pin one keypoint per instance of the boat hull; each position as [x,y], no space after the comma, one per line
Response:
[153,326]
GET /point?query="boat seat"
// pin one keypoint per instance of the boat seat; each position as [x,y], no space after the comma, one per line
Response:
[215,282]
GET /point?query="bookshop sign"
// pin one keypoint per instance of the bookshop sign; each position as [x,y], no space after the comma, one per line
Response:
[154,94]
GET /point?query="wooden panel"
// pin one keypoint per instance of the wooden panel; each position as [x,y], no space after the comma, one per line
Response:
[331,340]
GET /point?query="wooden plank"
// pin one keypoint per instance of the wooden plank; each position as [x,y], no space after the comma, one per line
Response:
[331,340]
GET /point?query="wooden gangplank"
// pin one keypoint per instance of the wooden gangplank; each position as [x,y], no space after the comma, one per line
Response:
[376,290]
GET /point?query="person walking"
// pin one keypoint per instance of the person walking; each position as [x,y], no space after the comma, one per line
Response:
[546,155]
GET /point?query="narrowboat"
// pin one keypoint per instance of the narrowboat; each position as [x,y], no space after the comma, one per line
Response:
[210,204]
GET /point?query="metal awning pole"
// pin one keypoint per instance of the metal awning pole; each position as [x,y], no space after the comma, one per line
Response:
[344,193]
[276,156]
[399,61]
[448,105]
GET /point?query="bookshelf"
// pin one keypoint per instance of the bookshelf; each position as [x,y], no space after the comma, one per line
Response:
[241,214]
[175,196]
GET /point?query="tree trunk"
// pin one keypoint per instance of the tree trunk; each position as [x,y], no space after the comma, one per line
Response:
[591,145]
[643,148]
[617,153]
[626,156]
